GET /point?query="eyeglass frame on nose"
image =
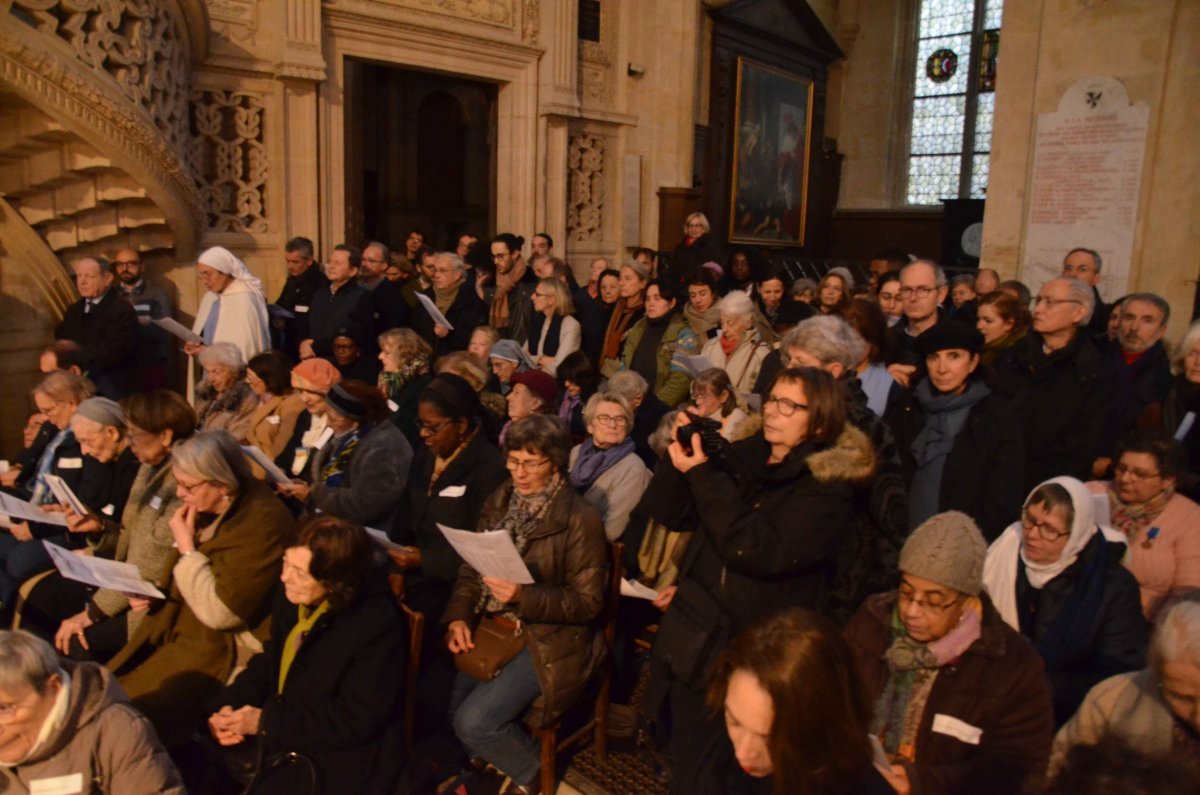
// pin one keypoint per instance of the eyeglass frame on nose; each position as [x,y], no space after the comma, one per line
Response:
[1051,302]
[780,402]
[611,421]
[921,292]
[1030,526]
[924,605]
[517,465]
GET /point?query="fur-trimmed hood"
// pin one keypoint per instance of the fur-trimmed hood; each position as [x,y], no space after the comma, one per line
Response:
[851,458]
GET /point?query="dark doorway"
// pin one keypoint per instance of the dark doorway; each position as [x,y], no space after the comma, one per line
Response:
[420,154]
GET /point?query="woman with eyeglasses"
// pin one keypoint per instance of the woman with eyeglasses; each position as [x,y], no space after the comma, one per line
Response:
[605,468]
[767,515]
[1056,577]
[455,469]
[554,333]
[560,537]
[224,401]
[695,249]
[233,309]
[961,702]
[229,533]
[1162,525]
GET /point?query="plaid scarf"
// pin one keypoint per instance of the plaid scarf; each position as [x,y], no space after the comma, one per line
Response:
[524,514]
[1132,518]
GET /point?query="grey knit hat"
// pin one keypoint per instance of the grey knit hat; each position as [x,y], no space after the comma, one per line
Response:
[947,549]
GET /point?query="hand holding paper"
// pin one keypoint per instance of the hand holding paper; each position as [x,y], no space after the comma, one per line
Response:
[174,327]
[492,554]
[435,313]
[101,573]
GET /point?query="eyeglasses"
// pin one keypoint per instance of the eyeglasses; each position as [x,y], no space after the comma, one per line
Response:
[1053,302]
[919,292]
[1042,528]
[193,488]
[1120,470]
[8,710]
[431,429]
[522,465]
[610,422]
[926,605]
[785,407]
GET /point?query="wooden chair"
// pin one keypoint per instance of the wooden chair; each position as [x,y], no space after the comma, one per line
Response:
[416,629]
[548,737]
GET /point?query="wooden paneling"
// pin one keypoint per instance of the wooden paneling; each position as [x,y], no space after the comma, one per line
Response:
[859,234]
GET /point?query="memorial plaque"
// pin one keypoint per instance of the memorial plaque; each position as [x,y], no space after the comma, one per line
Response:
[1087,175]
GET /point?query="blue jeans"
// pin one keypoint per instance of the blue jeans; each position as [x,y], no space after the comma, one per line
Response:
[487,715]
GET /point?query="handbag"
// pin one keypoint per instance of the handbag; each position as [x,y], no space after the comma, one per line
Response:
[286,773]
[497,641]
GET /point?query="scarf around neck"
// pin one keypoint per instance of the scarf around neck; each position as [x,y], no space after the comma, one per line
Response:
[623,317]
[390,384]
[945,416]
[505,283]
[702,322]
[444,299]
[592,462]
[524,514]
[1134,517]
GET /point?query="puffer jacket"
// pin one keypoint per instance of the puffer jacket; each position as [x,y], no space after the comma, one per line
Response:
[559,611]
[105,742]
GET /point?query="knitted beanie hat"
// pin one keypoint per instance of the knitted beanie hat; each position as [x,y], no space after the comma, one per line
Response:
[947,549]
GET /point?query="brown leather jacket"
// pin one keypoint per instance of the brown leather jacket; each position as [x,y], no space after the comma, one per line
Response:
[568,560]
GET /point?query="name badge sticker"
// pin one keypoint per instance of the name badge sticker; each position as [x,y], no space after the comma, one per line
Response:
[155,503]
[393,405]
[274,419]
[70,463]
[107,510]
[71,784]
[453,491]
[301,309]
[958,729]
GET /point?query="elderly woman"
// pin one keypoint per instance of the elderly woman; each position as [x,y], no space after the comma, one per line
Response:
[233,310]
[533,392]
[604,468]
[1056,577]
[1157,709]
[224,401]
[360,471]
[273,420]
[482,340]
[56,398]
[656,344]
[767,516]
[693,251]
[311,379]
[554,333]
[67,722]
[578,380]
[713,398]
[507,358]
[1002,321]
[701,311]
[229,533]
[88,624]
[796,710]
[609,291]
[457,301]
[406,371]
[628,310]
[560,537]
[961,447]
[1161,525]
[1182,407]
[738,350]
[833,292]
[327,684]
[944,671]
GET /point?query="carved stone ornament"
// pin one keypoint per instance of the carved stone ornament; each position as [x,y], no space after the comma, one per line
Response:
[585,202]
[492,12]
[229,159]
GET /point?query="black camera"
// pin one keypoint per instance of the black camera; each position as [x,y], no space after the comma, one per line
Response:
[708,430]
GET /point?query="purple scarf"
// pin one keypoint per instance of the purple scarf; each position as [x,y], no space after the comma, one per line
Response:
[594,462]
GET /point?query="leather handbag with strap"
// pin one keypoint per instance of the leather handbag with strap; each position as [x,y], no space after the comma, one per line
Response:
[497,641]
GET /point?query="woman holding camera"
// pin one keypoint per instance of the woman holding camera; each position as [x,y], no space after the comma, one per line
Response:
[767,515]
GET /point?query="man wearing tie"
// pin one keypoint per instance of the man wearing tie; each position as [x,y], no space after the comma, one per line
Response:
[106,325]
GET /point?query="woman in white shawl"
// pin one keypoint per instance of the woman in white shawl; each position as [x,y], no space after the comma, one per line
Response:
[1056,577]
[234,309]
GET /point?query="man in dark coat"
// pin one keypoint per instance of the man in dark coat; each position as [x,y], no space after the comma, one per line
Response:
[1060,384]
[389,310]
[342,310]
[150,301]
[304,281]
[465,311]
[1142,366]
[106,325]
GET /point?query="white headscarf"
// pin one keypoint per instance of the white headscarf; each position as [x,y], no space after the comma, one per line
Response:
[1000,565]
[222,259]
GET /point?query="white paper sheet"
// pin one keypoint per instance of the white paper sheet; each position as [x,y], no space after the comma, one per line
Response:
[256,455]
[694,365]
[492,554]
[27,512]
[636,590]
[382,539]
[879,758]
[101,572]
[433,311]
[172,326]
[63,493]
[276,311]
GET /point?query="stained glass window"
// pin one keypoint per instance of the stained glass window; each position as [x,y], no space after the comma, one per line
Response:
[954,82]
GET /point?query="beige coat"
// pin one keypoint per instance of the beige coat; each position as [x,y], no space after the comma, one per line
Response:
[743,365]
[271,425]
[104,741]
[1129,705]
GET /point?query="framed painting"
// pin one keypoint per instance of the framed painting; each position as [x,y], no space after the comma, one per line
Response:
[772,131]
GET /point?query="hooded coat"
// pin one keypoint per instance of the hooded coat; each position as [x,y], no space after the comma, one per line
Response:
[103,740]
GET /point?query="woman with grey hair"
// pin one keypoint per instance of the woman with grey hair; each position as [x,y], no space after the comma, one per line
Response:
[738,349]
[605,468]
[1156,709]
[550,624]
[224,401]
[230,532]
[64,721]
[1182,408]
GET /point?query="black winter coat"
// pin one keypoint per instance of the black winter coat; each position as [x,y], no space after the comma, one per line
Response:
[347,313]
[1063,400]
[341,701]
[1116,634]
[765,539]
[1141,391]
[984,473]
[296,297]
[374,481]
[466,313]
[686,259]
[109,332]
